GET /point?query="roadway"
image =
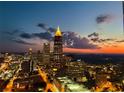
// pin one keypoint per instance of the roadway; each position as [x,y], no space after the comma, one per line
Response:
[9,86]
[105,85]
[50,86]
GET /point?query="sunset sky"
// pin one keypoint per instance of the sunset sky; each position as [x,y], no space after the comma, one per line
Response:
[88,27]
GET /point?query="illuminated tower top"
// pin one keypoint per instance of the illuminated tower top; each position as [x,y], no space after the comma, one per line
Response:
[30,51]
[58,32]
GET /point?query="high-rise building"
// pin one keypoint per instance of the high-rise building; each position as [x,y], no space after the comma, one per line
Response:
[39,57]
[25,66]
[58,49]
[46,48]
[46,53]
[31,60]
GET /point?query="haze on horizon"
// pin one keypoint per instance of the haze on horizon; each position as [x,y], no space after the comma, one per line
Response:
[88,27]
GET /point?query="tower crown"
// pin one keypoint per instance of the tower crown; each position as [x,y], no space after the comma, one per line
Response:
[58,32]
[30,49]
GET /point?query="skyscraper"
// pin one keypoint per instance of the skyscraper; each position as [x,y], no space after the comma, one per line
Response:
[46,48]
[58,49]
[46,53]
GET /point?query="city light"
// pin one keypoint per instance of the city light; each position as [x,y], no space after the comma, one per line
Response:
[85,55]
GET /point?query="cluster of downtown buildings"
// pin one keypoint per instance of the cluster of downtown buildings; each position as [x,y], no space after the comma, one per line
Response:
[36,71]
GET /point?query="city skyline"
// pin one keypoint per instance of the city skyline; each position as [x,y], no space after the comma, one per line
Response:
[61,46]
[30,24]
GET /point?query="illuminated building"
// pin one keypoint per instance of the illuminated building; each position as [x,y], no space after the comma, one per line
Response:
[46,53]
[75,70]
[46,48]
[31,60]
[58,49]
[27,65]
[39,57]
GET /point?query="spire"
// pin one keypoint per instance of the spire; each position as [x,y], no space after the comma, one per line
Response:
[58,32]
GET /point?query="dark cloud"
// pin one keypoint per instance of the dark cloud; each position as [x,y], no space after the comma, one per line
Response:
[120,41]
[101,40]
[103,19]
[51,29]
[46,27]
[43,26]
[105,40]
[93,34]
[72,40]
[22,42]
[12,32]
[45,35]
[83,43]
[96,38]
[26,35]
